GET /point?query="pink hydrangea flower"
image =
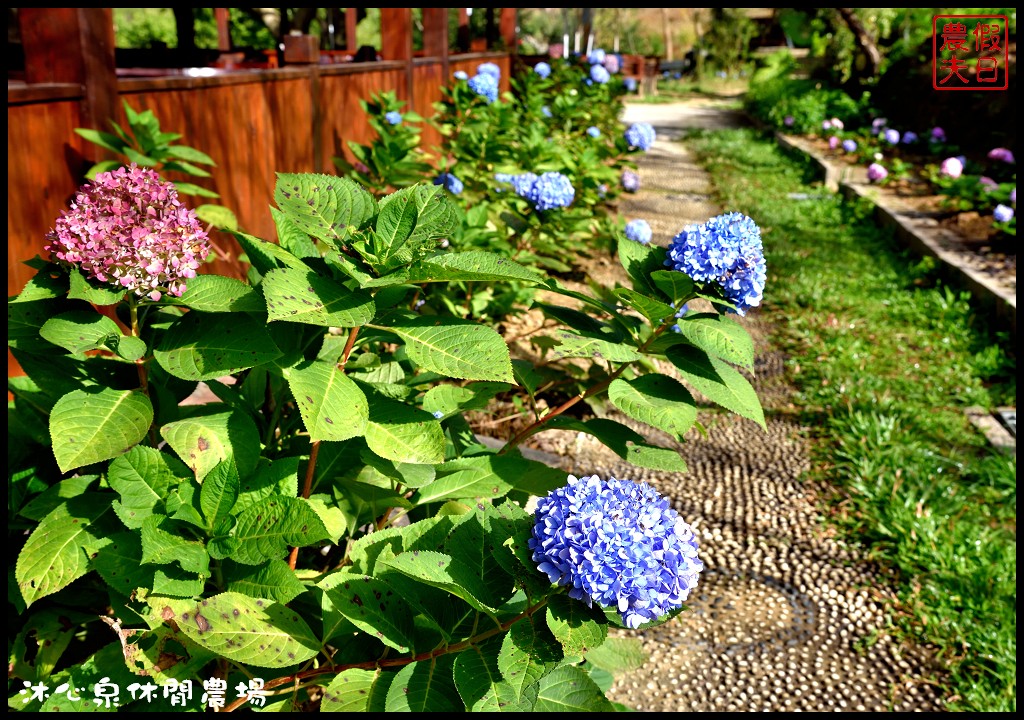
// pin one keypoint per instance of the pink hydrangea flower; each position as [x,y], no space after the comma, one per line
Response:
[833,142]
[129,229]
[876,172]
[952,167]
[1002,154]
[988,183]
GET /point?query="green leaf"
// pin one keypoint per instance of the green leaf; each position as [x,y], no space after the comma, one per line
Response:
[24,321]
[43,504]
[472,477]
[50,281]
[456,348]
[640,261]
[119,563]
[219,294]
[479,680]
[719,335]
[624,442]
[471,266]
[449,399]
[219,217]
[266,256]
[273,580]
[246,630]
[90,426]
[57,552]
[219,493]
[205,346]
[79,330]
[269,527]
[330,402]
[103,139]
[205,440]
[187,188]
[573,625]
[92,290]
[410,220]
[128,347]
[654,310]
[404,434]
[717,381]
[442,571]
[425,686]
[528,653]
[161,545]
[677,286]
[272,477]
[571,345]
[658,400]
[569,689]
[184,152]
[618,655]
[324,206]
[375,608]
[292,238]
[349,691]
[142,477]
[302,296]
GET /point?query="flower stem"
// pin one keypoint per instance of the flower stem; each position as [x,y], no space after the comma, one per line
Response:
[307,489]
[140,364]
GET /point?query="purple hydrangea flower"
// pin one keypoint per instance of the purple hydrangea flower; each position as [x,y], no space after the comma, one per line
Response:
[489,68]
[826,125]
[630,180]
[484,85]
[877,124]
[909,137]
[1013,196]
[849,145]
[617,543]
[612,63]
[876,172]
[461,75]
[394,117]
[451,183]
[1002,154]
[543,69]
[640,135]
[988,183]
[891,136]
[952,167]
[599,74]
[788,121]
[630,84]
[551,190]
[1003,213]
[938,134]
[639,231]
[129,229]
[725,250]
[594,131]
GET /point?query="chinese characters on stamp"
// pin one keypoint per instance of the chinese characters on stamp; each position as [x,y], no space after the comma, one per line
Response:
[180,693]
[970,52]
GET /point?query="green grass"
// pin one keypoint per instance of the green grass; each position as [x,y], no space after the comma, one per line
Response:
[886,359]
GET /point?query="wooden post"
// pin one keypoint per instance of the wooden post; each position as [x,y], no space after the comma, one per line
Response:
[435,36]
[74,45]
[509,26]
[351,45]
[396,41]
[223,16]
[463,34]
[490,28]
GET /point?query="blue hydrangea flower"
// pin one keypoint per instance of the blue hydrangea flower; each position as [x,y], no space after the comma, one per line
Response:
[891,136]
[484,85]
[545,111]
[617,543]
[394,117]
[630,84]
[630,180]
[594,131]
[551,190]
[461,75]
[1003,213]
[542,69]
[596,57]
[599,74]
[725,250]
[849,145]
[909,137]
[489,68]
[640,135]
[639,231]
[451,183]
[438,414]
[521,182]
[680,313]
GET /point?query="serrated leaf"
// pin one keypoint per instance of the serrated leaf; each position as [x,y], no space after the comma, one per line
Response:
[324,206]
[50,281]
[291,237]
[571,345]
[624,442]
[90,426]
[425,686]
[476,671]
[654,310]
[218,494]
[205,440]
[205,346]
[331,404]
[266,256]
[677,286]
[93,291]
[175,582]
[273,580]
[473,265]
[218,294]
[218,216]
[349,691]
[184,152]
[658,400]
[243,629]
[161,545]
[472,477]
[43,504]
[143,477]
[719,382]
[640,261]
[456,348]
[24,321]
[720,336]
[272,477]
[570,689]
[401,433]
[128,347]
[449,399]
[119,563]
[302,296]
[442,571]
[435,217]
[528,652]
[269,527]
[55,554]
[618,655]
[375,608]
[103,139]
[574,626]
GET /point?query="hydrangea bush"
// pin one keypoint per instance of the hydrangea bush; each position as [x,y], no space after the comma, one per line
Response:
[279,478]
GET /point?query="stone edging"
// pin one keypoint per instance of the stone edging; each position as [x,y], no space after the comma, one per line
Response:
[919,234]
